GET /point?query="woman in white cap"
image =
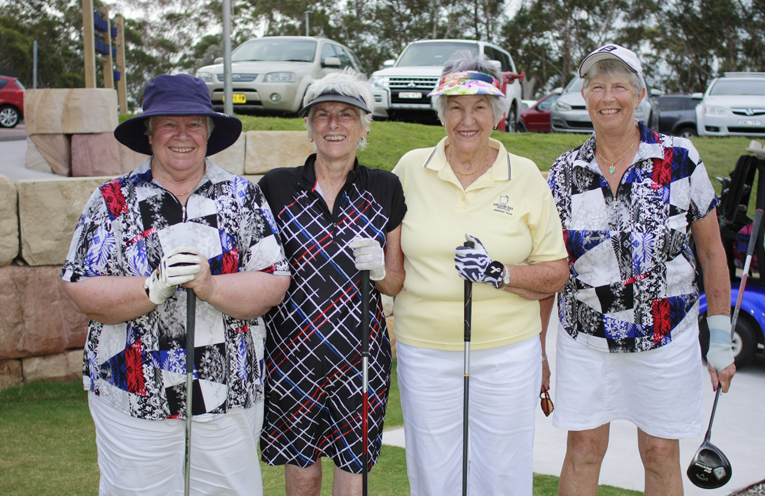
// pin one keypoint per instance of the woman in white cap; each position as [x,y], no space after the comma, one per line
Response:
[469,183]
[628,341]
[177,223]
[336,218]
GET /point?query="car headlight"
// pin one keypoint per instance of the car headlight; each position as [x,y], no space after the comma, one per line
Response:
[379,82]
[279,77]
[714,109]
[207,77]
[561,106]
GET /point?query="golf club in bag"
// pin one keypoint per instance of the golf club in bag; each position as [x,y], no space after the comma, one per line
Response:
[710,468]
[191,310]
[466,384]
[365,381]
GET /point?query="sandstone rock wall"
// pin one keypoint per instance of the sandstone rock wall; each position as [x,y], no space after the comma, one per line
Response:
[9,224]
[268,150]
[70,111]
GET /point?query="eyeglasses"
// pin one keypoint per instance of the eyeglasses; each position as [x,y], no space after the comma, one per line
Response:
[546,403]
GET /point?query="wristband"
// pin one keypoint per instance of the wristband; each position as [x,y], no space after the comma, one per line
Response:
[544,358]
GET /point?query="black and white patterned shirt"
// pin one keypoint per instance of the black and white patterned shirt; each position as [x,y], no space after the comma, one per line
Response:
[139,365]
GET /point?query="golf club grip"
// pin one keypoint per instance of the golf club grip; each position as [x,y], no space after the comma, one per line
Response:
[191,311]
[468,301]
[365,381]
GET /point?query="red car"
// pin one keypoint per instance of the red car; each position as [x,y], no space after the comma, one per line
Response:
[537,117]
[11,101]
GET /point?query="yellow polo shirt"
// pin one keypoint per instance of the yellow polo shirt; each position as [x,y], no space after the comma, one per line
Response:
[509,208]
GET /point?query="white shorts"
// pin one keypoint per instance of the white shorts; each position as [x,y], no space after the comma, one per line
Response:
[147,457]
[660,391]
[504,393]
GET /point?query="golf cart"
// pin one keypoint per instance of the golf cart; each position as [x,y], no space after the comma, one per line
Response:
[735,228]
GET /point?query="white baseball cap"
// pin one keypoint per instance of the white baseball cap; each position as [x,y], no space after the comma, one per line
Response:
[613,51]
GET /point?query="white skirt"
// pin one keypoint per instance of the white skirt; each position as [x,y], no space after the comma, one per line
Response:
[660,391]
[147,457]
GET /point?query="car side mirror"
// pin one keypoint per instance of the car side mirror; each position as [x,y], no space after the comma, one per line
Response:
[697,96]
[330,62]
[389,63]
[218,60]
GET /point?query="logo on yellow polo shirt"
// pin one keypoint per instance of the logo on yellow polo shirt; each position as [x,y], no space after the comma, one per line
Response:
[502,207]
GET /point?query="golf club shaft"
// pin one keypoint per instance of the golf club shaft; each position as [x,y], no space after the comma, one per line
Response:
[466,370]
[365,380]
[191,310]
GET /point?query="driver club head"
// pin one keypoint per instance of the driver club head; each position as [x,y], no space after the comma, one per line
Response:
[710,468]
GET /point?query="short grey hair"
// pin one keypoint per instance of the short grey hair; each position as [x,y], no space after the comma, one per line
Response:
[608,68]
[148,125]
[465,60]
[349,83]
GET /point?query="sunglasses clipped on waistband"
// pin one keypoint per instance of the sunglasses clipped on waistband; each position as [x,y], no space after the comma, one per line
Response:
[546,403]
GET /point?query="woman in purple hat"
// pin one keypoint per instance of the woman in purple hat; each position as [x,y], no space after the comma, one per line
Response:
[175,224]
[627,345]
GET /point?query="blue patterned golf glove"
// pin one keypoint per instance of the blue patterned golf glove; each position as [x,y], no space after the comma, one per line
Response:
[474,264]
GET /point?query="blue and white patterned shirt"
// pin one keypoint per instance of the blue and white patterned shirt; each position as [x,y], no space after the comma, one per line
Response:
[632,273]
[139,365]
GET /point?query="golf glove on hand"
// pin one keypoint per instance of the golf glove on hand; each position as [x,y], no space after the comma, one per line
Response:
[370,256]
[474,264]
[176,268]
[720,353]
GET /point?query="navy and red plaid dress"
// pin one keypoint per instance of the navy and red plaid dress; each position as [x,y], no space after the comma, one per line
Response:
[313,350]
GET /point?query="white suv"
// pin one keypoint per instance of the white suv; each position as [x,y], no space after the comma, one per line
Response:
[273,72]
[733,105]
[402,87]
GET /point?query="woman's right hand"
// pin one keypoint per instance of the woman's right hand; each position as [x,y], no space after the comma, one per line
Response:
[176,268]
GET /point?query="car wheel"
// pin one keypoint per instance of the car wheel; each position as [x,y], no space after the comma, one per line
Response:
[744,341]
[9,116]
[686,132]
[521,127]
[511,124]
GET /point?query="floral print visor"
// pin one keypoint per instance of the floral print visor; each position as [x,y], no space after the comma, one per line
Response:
[468,83]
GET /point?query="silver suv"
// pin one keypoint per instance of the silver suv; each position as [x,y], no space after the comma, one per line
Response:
[272,73]
[403,85]
[733,105]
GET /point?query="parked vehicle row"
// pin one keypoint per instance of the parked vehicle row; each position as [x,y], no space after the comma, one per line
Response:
[733,105]
[11,101]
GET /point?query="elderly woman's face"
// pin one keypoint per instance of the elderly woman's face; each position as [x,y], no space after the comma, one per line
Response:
[179,142]
[469,120]
[336,130]
[611,102]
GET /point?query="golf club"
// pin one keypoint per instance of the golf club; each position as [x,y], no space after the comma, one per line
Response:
[191,310]
[710,468]
[365,380]
[466,385]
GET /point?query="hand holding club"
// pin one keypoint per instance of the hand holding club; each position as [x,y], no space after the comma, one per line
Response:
[369,255]
[176,267]
[475,265]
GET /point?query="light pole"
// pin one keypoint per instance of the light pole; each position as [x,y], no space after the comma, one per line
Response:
[228,104]
[307,25]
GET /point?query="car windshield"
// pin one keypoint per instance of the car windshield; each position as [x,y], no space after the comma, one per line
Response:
[739,87]
[575,86]
[274,50]
[433,53]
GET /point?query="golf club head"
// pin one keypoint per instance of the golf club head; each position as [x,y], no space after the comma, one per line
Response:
[710,468]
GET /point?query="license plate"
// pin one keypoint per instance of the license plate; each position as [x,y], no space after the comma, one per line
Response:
[237,98]
[750,123]
[410,94]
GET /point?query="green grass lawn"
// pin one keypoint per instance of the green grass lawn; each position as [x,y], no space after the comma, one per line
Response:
[47,447]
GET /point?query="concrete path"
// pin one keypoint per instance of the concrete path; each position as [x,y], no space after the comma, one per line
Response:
[738,431]
[13,150]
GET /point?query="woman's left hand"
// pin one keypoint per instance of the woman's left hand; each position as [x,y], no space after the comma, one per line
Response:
[203,283]
[545,376]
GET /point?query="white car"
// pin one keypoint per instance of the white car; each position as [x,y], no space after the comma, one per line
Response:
[733,105]
[403,85]
[569,114]
[272,73]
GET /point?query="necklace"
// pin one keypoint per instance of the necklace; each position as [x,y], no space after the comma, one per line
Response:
[449,161]
[189,191]
[613,164]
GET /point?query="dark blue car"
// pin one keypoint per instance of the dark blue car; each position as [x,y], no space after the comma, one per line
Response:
[678,115]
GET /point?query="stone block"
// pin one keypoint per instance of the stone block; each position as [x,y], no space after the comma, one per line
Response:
[70,110]
[60,367]
[56,150]
[10,374]
[232,158]
[387,303]
[254,179]
[9,221]
[37,317]
[101,154]
[48,213]
[34,159]
[268,150]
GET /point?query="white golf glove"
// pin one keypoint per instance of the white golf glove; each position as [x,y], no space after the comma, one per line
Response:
[370,256]
[720,353]
[176,268]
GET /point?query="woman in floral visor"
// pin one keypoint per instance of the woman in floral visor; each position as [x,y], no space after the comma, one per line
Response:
[470,186]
